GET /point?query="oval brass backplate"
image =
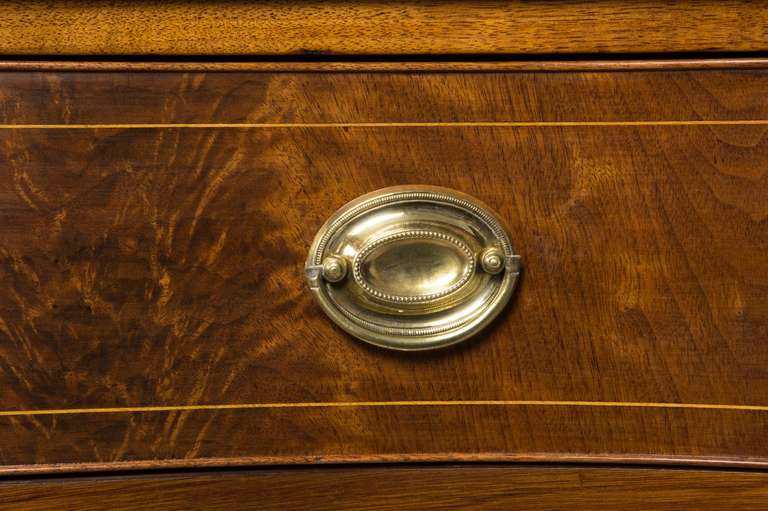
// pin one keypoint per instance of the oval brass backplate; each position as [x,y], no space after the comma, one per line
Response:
[412,267]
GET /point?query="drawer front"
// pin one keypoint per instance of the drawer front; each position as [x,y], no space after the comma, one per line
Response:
[154,228]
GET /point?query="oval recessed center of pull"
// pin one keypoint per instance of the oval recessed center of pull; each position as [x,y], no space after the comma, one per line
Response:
[413,266]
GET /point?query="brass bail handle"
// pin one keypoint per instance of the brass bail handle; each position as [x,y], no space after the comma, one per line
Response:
[412,268]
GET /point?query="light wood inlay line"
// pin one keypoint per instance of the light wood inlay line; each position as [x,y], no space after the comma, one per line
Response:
[355,404]
[470,124]
[340,66]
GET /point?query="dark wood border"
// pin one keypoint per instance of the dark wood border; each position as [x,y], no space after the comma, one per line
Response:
[454,486]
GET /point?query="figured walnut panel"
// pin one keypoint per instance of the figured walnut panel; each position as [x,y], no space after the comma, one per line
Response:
[101,27]
[159,266]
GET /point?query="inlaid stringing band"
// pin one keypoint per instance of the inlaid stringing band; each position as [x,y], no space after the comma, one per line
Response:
[480,124]
[360,404]
[363,404]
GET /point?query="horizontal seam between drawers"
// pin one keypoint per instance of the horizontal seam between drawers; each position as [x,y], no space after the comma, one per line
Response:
[479,124]
[363,404]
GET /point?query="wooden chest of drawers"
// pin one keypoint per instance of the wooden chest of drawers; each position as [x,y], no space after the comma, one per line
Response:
[155,221]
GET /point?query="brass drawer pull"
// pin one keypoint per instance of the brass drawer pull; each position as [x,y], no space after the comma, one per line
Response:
[412,268]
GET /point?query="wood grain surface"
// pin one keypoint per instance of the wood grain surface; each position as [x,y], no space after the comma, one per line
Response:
[401,488]
[151,27]
[398,96]
[153,230]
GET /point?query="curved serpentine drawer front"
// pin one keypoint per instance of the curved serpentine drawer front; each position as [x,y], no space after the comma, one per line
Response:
[158,309]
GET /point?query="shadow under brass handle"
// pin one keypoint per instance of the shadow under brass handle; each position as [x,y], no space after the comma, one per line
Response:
[413,267]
